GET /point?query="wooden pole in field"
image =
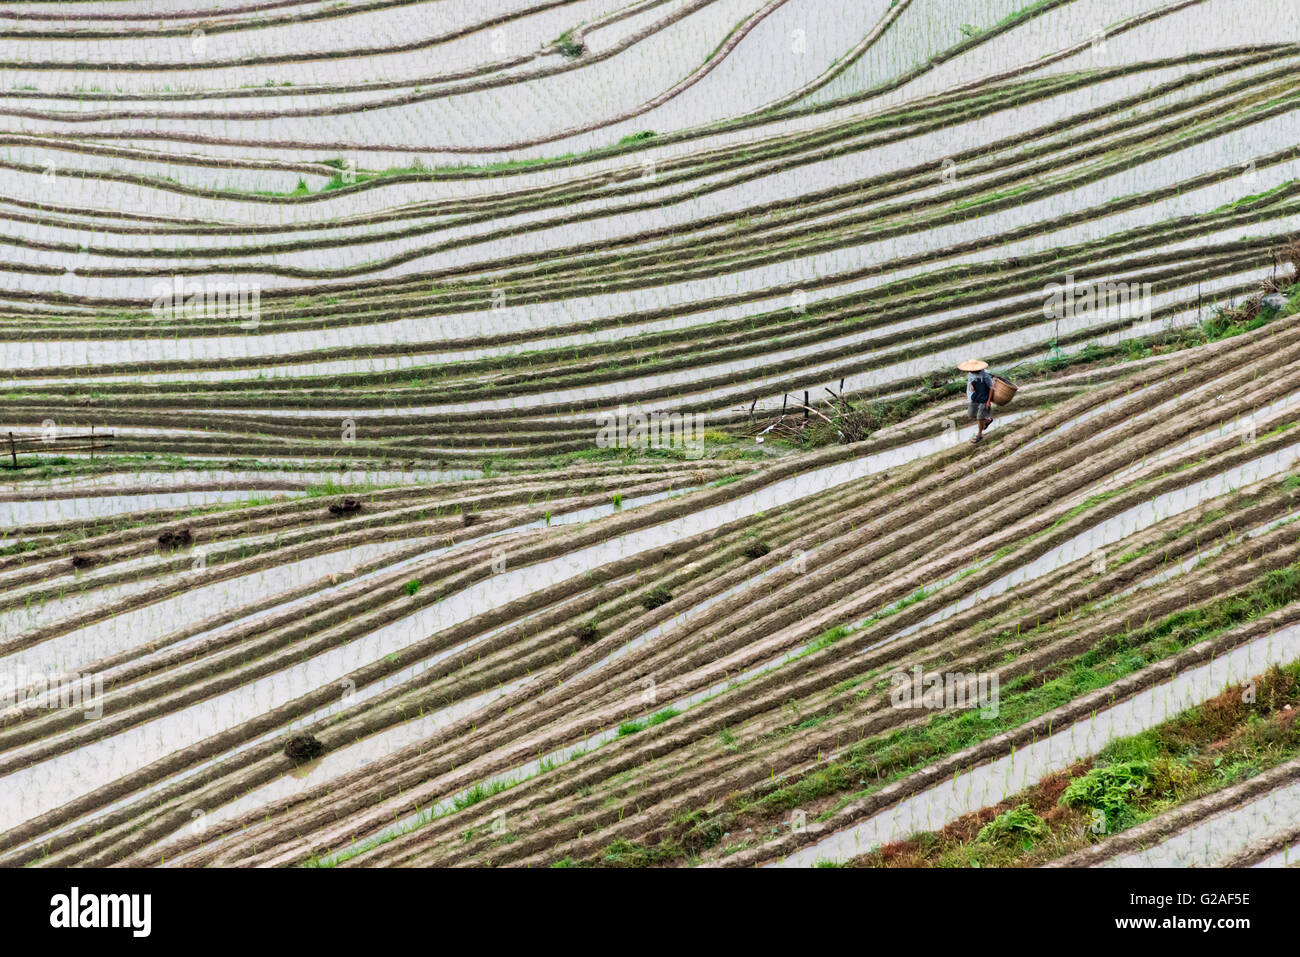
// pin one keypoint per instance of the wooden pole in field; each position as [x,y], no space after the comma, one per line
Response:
[12,451]
[805,405]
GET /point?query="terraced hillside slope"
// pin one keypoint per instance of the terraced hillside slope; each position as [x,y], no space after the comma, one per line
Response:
[527,433]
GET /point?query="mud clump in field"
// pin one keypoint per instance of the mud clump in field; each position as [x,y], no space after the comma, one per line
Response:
[86,560]
[469,518]
[756,549]
[349,506]
[176,538]
[587,632]
[659,595]
[302,748]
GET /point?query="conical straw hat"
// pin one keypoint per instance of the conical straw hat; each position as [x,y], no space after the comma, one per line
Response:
[973,365]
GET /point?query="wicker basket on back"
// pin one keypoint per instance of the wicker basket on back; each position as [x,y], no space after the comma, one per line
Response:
[1003,390]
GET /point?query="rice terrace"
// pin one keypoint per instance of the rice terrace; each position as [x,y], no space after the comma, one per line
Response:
[650,433]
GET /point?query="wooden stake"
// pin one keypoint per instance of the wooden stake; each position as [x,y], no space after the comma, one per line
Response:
[12,451]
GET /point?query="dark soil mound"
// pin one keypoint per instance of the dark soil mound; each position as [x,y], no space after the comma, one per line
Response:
[756,549]
[658,596]
[176,538]
[86,560]
[349,506]
[302,748]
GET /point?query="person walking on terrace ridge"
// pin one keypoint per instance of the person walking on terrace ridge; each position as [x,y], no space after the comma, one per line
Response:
[979,394]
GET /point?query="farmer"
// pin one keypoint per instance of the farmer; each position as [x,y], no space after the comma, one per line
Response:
[979,394]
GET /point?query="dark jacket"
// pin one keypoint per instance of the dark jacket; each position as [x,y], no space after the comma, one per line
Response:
[980,386]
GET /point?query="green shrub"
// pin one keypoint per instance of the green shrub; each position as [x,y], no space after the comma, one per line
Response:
[568,46]
[1019,826]
[659,717]
[1170,779]
[1110,789]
